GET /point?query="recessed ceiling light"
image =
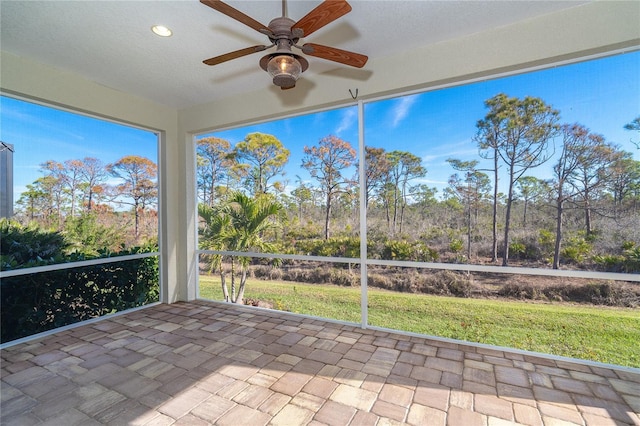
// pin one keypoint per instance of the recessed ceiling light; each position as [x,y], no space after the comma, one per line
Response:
[161,30]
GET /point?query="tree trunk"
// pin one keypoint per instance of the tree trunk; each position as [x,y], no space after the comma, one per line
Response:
[243,281]
[327,217]
[233,281]
[587,214]
[73,202]
[469,234]
[386,210]
[223,280]
[505,247]
[559,214]
[137,220]
[395,210]
[507,221]
[90,200]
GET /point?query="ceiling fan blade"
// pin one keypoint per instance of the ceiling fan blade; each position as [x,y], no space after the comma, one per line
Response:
[236,54]
[336,55]
[325,13]
[237,15]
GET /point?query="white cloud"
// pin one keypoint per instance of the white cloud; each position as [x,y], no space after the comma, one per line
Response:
[349,118]
[401,109]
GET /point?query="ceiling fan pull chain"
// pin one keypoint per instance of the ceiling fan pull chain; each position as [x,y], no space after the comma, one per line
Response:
[352,96]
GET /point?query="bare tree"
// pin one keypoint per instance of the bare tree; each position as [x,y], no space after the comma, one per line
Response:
[325,162]
[470,190]
[55,185]
[590,175]
[404,167]
[575,144]
[531,188]
[93,173]
[138,187]
[624,179]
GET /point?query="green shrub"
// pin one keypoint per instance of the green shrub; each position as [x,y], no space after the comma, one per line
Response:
[628,245]
[456,245]
[575,250]
[426,253]
[34,303]
[547,241]
[28,246]
[37,302]
[631,260]
[404,250]
[87,236]
[628,261]
[517,249]
[609,262]
[334,247]
[397,250]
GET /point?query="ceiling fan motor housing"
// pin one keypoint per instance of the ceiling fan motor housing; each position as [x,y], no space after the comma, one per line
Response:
[281,28]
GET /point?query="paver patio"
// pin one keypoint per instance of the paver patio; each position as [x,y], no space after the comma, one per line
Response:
[202,363]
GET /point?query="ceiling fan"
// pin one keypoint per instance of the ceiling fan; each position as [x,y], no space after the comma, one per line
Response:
[284,65]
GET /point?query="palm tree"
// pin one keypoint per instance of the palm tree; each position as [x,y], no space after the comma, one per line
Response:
[239,225]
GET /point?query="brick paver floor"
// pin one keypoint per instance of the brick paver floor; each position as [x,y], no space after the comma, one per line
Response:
[203,363]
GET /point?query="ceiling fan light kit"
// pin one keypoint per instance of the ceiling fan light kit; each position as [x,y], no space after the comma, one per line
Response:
[283,65]
[285,68]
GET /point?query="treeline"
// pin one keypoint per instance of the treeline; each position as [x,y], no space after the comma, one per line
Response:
[585,212]
[86,196]
[587,207]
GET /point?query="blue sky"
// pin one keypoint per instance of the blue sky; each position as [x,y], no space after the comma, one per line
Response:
[40,133]
[602,94]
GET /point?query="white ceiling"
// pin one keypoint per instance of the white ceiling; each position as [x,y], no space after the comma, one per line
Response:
[110,42]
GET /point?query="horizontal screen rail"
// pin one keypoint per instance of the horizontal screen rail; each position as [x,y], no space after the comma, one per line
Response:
[615,276]
[71,265]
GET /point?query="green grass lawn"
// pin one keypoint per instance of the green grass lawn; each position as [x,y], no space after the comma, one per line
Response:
[610,335]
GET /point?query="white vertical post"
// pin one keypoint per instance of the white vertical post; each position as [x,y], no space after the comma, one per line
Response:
[364,310]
